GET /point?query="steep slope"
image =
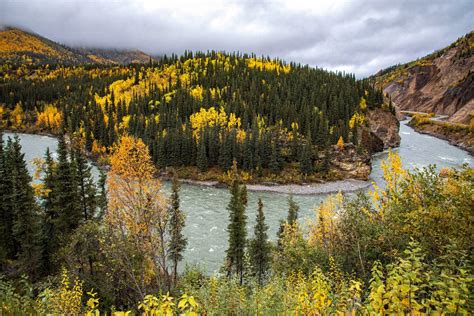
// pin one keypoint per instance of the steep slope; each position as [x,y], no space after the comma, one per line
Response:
[115,56]
[20,46]
[441,83]
[24,47]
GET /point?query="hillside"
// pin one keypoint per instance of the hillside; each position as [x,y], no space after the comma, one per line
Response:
[440,83]
[23,47]
[201,112]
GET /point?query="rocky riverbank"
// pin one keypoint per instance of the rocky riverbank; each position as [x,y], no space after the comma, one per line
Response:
[455,134]
[345,186]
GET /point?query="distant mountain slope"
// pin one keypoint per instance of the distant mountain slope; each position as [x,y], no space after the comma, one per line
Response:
[116,56]
[20,46]
[442,82]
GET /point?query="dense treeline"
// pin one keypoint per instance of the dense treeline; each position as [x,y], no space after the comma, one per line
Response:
[405,248]
[65,220]
[201,109]
[38,220]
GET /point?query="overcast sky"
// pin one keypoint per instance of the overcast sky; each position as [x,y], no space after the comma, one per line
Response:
[360,36]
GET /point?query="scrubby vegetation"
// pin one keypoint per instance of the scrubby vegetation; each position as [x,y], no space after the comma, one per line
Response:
[404,248]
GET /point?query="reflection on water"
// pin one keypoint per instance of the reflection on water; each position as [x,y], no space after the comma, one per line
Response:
[205,207]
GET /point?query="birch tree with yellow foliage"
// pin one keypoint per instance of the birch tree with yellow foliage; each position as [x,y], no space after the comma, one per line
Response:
[137,218]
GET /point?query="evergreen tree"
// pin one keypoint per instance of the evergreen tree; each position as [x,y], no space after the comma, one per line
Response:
[275,158]
[66,195]
[305,159]
[259,246]
[236,228]
[102,196]
[86,187]
[50,234]
[26,221]
[293,210]
[201,160]
[291,218]
[225,153]
[7,250]
[178,242]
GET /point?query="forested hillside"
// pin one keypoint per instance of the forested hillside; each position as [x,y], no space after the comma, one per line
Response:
[200,111]
[20,46]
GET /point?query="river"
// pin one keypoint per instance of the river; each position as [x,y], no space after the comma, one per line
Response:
[205,207]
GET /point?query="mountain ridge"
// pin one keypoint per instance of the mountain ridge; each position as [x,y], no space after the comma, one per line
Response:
[441,82]
[18,45]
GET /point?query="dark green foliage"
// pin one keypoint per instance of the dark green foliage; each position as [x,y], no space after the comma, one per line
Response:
[85,186]
[305,159]
[293,210]
[6,238]
[291,218]
[50,233]
[202,156]
[236,228]
[278,99]
[102,196]
[22,212]
[66,196]
[260,246]
[178,242]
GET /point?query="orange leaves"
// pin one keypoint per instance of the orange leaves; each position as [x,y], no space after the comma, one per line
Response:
[340,143]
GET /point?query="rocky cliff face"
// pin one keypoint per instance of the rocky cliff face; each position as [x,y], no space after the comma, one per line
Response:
[385,126]
[347,163]
[381,131]
[441,83]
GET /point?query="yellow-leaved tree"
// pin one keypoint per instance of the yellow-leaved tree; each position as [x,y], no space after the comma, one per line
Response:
[137,218]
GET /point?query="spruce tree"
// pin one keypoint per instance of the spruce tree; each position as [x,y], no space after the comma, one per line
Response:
[275,158]
[50,238]
[6,221]
[259,246]
[102,196]
[178,242]
[305,159]
[236,228]
[291,218]
[26,221]
[202,156]
[293,210]
[66,195]
[85,186]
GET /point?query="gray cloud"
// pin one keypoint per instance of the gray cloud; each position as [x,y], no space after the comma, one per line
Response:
[356,36]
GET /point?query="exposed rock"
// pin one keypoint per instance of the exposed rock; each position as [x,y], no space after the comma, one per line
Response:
[348,163]
[381,131]
[440,83]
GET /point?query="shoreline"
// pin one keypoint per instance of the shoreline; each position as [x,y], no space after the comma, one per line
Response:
[344,186]
[316,188]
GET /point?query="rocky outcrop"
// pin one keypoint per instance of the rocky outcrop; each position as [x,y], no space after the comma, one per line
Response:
[440,83]
[385,126]
[381,131]
[348,163]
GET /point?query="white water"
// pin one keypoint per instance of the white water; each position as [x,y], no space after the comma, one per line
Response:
[205,207]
